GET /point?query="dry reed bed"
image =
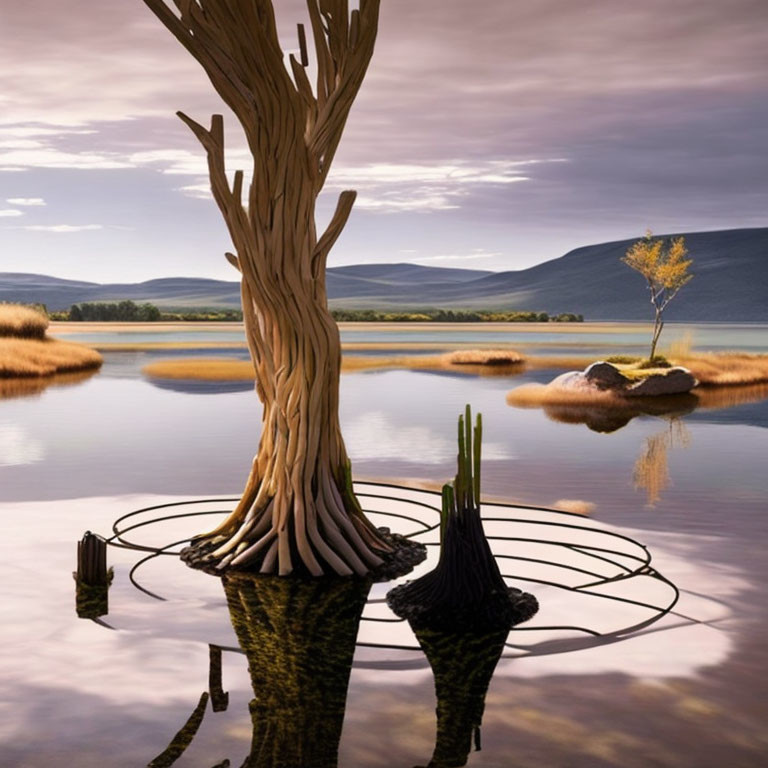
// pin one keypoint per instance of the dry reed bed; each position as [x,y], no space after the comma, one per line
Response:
[46,357]
[711,370]
[230,369]
[726,368]
[537,395]
[21,322]
[26,352]
[484,357]
[202,368]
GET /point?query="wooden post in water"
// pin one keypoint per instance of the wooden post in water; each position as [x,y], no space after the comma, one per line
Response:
[92,577]
[219,697]
[92,559]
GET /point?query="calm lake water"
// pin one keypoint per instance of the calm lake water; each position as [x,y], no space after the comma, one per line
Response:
[691,485]
[592,336]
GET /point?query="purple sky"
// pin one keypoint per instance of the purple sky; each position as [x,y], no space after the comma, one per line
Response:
[491,134]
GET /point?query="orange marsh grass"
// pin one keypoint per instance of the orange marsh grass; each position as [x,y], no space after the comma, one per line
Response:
[231,369]
[726,368]
[202,368]
[44,357]
[21,322]
[709,369]
[25,351]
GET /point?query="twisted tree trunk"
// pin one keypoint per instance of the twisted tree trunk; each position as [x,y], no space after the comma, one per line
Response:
[298,512]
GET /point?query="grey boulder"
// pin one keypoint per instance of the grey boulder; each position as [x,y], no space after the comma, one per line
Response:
[605,376]
[675,381]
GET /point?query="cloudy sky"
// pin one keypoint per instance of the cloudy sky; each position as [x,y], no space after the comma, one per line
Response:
[491,134]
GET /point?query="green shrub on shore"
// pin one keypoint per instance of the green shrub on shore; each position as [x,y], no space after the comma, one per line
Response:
[449,316]
[130,312]
[657,361]
[122,311]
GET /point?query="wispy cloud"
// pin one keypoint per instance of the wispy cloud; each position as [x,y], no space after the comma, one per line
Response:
[50,157]
[639,110]
[383,187]
[397,187]
[10,213]
[416,201]
[63,228]
[31,202]
[27,131]
[477,253]
[201,191]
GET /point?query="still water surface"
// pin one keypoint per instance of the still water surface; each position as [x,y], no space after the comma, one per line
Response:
[693,486]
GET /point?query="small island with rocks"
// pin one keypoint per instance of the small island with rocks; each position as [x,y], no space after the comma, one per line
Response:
[628,377]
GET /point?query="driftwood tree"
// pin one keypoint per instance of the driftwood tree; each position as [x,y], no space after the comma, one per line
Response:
[298,513]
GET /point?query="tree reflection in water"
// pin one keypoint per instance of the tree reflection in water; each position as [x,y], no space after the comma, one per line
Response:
[299,637]
[611,419]
[651,471]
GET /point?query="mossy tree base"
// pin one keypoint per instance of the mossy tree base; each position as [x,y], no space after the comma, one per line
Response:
[462,611]
[402,556]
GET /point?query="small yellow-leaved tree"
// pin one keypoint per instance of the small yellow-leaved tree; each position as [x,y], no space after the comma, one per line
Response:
[665,269]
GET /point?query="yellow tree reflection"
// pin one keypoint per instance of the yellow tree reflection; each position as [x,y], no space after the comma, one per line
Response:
[651,471]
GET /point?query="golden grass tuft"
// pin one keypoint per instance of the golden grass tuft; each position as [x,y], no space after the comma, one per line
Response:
[575,506]
[202,369]
[20,322]
[485,357]
[681,347]
[537,395]
[230,369]
[26,352]
[477,362]
[726,369]
[44,357]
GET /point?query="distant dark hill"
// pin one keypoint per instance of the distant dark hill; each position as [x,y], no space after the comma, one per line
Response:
[414,274]
[173,291]
[358,281]
[730,284]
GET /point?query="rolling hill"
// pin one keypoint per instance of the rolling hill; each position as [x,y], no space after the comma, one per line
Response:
[730,284]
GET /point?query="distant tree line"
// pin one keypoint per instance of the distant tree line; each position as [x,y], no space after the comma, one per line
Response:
[451,316]
[130,312]
[121,311]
